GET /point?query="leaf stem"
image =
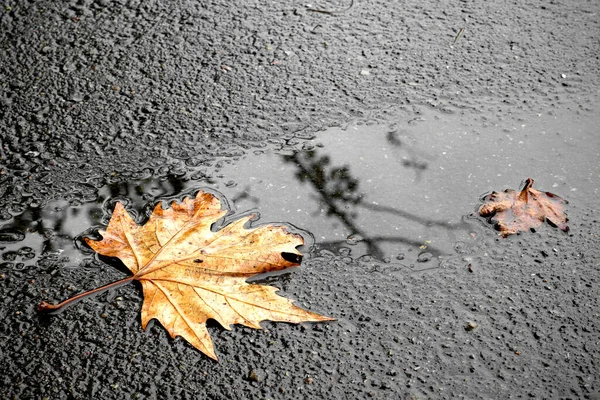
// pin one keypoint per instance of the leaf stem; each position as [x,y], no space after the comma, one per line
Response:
[50,308]
[524,194]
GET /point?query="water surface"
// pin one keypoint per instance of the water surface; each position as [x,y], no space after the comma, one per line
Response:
[402,192]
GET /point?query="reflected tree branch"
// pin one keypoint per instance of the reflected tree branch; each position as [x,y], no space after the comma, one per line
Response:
[331,186]
[337,189]
[415,218]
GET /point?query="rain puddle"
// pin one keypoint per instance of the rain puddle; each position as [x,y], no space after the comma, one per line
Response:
[401,192]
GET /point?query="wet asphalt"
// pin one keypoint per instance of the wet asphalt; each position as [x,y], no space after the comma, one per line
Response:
[96,95]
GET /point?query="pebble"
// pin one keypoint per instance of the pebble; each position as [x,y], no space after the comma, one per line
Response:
[470,326]
[253,376]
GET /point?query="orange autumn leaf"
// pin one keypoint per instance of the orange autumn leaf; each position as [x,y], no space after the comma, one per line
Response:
[190,274]
[513,211]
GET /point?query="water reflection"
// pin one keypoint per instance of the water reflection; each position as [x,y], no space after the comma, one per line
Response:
[339,192]
[365,189]
[414,159]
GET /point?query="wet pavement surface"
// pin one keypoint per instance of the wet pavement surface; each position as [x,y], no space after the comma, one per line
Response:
[373,129]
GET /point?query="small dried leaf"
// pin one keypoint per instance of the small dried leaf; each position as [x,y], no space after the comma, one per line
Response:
[513,211]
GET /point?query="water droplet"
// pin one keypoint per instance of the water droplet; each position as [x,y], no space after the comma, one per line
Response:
[424,257]
[460,247]
[344,251]
[326,254]
[354,239]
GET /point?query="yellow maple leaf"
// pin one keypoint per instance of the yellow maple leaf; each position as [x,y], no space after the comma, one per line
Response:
[190,274]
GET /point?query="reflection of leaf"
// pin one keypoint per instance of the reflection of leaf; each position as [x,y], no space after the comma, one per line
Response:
[513,211]
[190,274]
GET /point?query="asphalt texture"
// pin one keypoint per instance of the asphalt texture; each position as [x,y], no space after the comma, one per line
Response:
[102,92]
